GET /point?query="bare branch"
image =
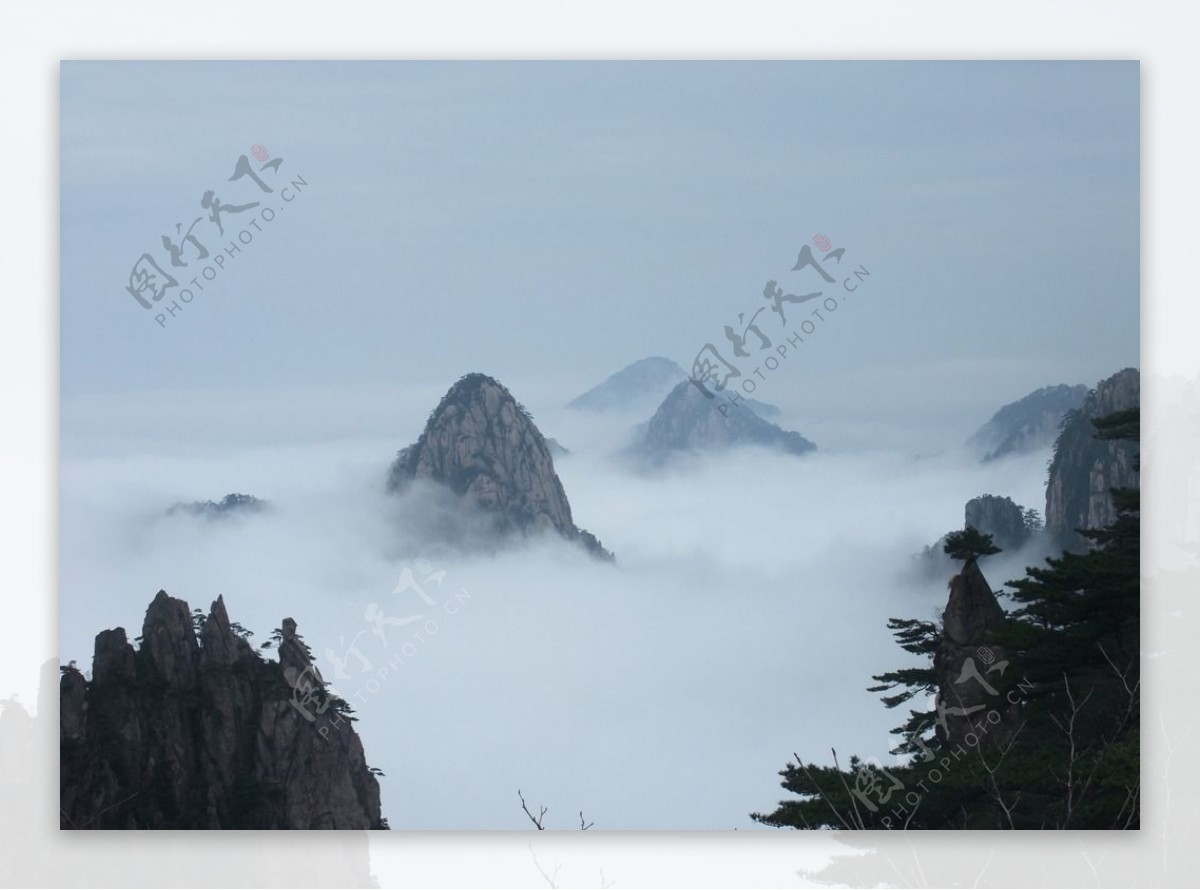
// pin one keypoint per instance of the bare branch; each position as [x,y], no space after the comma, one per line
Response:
[1073,755]
[994,791]
[539,820]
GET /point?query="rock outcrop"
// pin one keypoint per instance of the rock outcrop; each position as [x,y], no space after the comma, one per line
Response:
[963,659]
[203,733]
[999,517]
[483,446]
[230,505]
[1027,424]
[1086,468]
[688,421]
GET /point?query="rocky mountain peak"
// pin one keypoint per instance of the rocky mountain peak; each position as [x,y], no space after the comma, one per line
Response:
[483,445]
[972,607]
[188,733]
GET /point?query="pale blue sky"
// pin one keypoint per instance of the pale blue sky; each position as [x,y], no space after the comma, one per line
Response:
[551,220]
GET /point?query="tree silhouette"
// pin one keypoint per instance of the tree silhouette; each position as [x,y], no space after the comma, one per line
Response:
[969,544]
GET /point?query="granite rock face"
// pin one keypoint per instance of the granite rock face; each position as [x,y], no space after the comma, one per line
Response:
[1085,468]
[688,421]
[483,446]
[203,733]
[1027,424]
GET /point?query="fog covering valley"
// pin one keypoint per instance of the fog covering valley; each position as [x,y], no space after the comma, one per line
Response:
[741,622]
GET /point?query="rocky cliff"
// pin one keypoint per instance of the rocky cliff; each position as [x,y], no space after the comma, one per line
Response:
[688,421]
[202,732]
[482,445]
[1085,468]
[1027,424]
[999,517]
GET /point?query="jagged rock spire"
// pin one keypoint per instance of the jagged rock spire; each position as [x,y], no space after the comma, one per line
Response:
[187,733]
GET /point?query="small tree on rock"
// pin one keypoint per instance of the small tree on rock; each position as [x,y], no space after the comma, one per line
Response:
[969,544]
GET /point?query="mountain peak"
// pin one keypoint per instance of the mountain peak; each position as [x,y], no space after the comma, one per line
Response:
[483,445]
[647,379]
[643,385]
[689,421]
[200,732]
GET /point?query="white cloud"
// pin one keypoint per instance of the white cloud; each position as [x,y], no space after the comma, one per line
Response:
[742,621]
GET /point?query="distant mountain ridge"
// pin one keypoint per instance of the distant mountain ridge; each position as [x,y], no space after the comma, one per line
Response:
[230,505]
[688,422]
[1030,423]
[646,381]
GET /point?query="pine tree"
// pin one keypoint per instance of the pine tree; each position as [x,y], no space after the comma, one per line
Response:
[1073,762]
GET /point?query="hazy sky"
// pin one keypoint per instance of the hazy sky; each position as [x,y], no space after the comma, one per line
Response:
[558,220]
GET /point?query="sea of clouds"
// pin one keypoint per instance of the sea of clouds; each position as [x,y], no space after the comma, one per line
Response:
[742,620]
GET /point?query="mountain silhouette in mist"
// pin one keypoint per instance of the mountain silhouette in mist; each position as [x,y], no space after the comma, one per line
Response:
[483,446]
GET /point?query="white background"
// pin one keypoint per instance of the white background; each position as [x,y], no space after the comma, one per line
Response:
[34,39]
